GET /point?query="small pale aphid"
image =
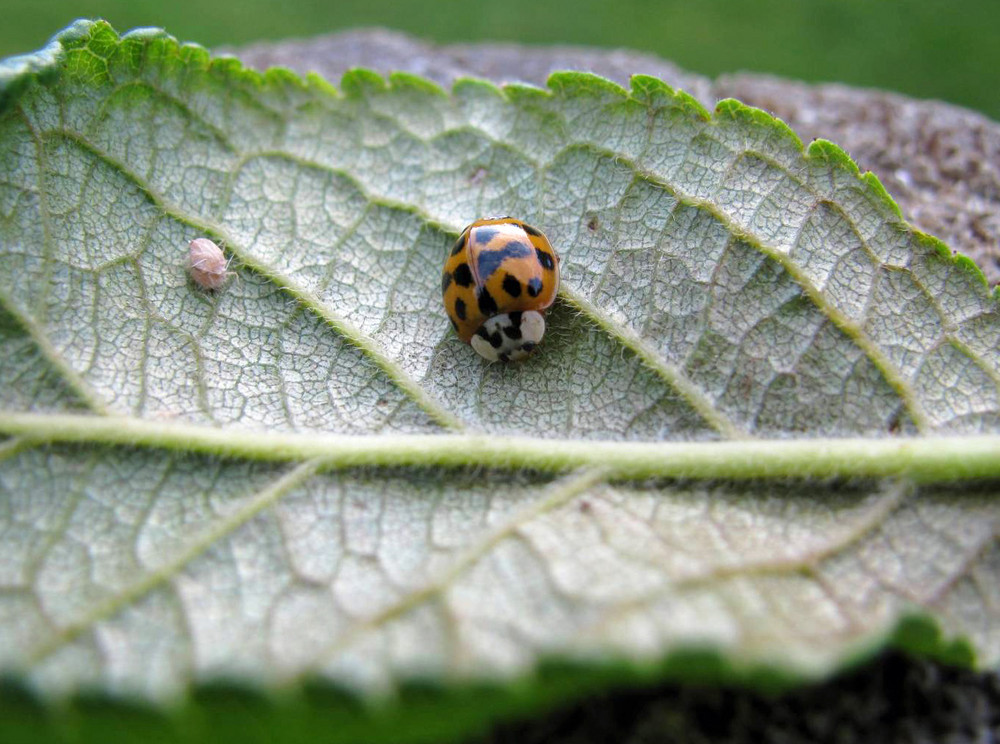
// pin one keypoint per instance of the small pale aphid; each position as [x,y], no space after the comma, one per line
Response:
[207,264]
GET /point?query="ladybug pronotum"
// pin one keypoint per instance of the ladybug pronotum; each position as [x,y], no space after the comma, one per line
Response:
[499,280]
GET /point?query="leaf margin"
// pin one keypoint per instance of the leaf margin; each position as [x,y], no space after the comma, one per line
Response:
[43,66]
[917,633]
[420,710]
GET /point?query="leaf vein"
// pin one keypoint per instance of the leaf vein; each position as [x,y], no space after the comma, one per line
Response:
[110,607]
[559,494]
[352,335]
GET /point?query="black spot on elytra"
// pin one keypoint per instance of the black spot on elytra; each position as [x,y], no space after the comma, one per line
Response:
[487,305]
[545,259]
[445,282]
[460,308]
[458,244]
[463,275]
[511,286]
[530,230]
[489,261]
[535,286]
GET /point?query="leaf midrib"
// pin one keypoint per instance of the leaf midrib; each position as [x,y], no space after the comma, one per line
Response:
[921,458]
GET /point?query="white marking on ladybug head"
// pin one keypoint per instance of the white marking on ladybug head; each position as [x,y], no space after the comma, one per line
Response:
[484,349]
[207,264]
[509,337]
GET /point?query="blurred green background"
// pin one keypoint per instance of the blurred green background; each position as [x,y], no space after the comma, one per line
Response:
[925,48]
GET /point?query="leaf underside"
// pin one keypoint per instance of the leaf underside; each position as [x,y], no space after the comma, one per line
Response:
[719,283]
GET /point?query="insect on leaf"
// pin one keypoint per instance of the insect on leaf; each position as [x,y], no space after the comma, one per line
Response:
[761,435]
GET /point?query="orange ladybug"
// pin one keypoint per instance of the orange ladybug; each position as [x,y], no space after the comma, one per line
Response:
[499,280]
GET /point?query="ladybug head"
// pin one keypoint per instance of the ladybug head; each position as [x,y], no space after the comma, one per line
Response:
[509,337]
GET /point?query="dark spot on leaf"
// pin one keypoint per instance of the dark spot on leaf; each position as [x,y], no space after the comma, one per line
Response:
[894,424]
[592,223]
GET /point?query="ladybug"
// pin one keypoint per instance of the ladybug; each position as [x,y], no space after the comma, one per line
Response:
[500,278]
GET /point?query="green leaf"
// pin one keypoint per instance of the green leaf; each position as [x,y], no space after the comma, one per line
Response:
[761,438]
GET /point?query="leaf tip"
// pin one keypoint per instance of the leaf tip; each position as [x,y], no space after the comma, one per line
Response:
[880,193]
[652,91]
[145,33]
[826,151]
[960,261]
[468,86]
[407,81]
[921,635]
[569,83]
[360,81]
[524,92]
[737,111]
[18,73]
[649,86]
[282,77]
[320,84]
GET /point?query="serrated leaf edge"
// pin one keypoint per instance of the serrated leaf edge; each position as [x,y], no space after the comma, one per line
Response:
[15,72]
[356,81]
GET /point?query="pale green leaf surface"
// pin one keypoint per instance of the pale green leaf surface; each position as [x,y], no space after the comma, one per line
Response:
[719,283]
